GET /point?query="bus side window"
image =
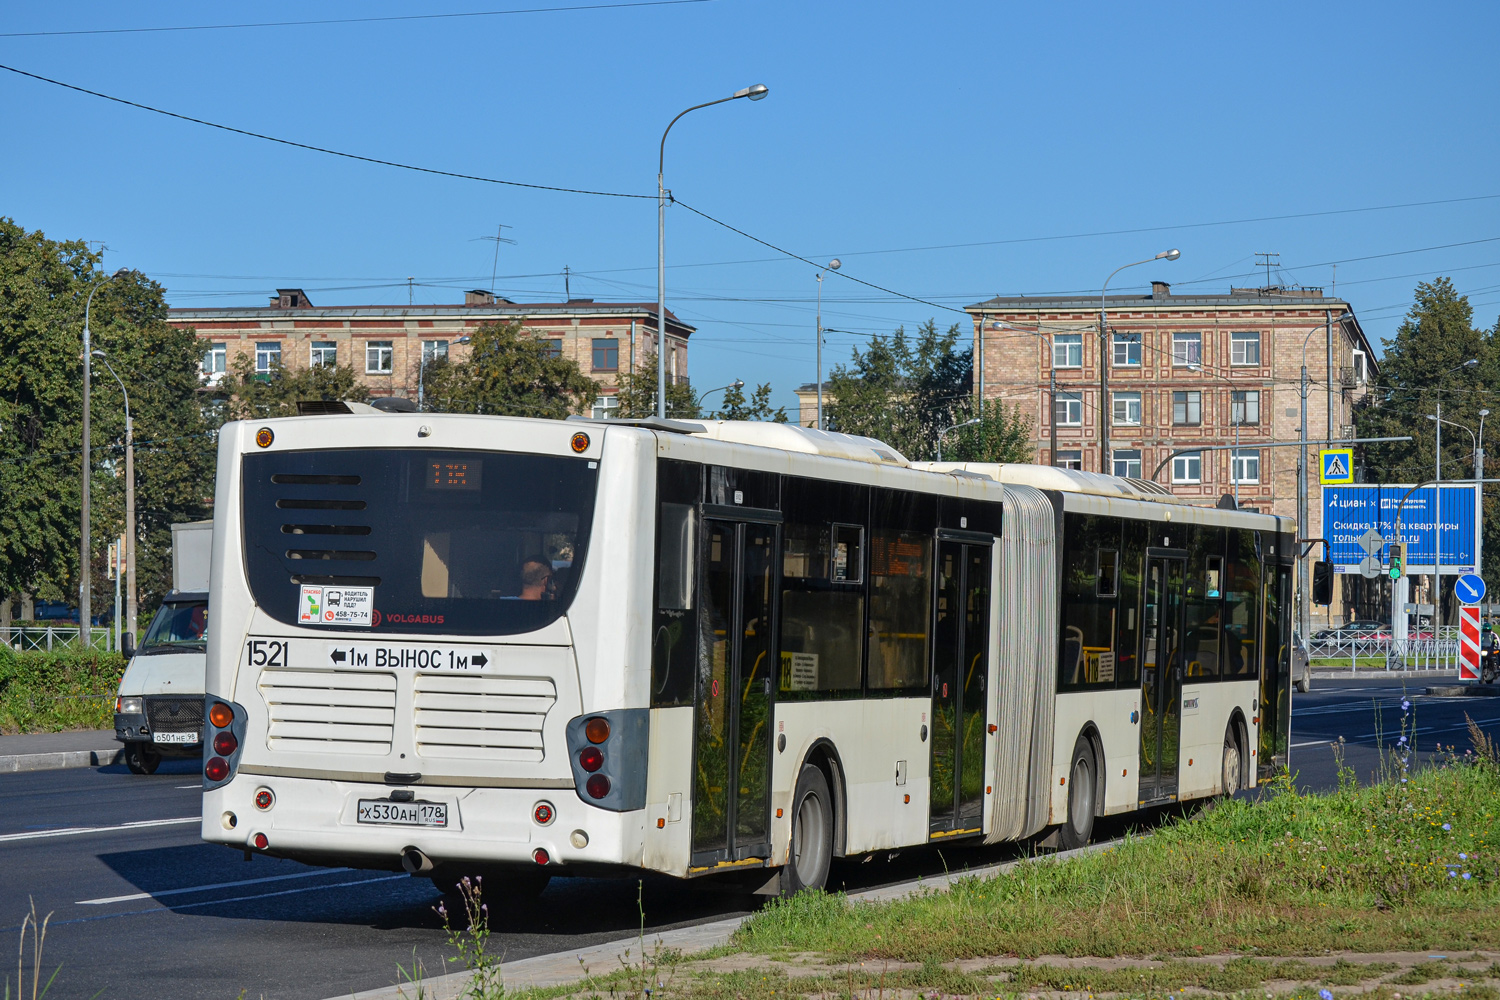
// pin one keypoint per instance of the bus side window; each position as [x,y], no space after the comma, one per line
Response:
[674,621]
[677,542]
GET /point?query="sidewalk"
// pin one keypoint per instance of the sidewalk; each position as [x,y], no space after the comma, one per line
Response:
[52,751]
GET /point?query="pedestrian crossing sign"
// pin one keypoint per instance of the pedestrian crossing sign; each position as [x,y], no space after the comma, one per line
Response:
[1336,466]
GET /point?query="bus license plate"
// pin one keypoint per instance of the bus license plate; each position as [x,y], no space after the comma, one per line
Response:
[402,813]
[174,737]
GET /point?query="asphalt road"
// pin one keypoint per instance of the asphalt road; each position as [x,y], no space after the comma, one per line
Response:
[140,907]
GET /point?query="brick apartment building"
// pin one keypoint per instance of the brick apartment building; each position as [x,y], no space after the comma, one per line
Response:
[387,346]
[1182,370]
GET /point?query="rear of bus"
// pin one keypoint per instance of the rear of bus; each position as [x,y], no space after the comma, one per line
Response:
[406,666]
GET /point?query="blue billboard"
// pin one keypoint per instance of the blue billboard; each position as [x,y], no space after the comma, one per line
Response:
[1351,511]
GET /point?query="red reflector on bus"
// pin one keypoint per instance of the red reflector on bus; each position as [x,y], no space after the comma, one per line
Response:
[590,759]
[225,743]
[261,843]
[542,813]
[217,769]
[598,786]
[221,715]
[540,856]
[264,799]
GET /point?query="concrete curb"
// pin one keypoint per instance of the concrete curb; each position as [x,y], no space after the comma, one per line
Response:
[1465,691]
[15,763]
[562,968]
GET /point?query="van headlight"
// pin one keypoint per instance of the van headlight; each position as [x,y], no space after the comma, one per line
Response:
[129,706]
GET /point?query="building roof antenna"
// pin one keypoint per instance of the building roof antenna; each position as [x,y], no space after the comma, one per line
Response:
[1268,263]
[498,238]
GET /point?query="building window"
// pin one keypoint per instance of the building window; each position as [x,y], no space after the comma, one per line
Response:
[1187,348]
[324,353]
[553,347]
[1070,460]
[1244,465]
[216,359]
[1244,347]
[1127,350]
[1187,408]
[434,350]
[606,354]
[1067,350]
[267,356]
[1244,407]
[1127,409]
[606,407]
[1188,468]
[1128,462]
[380,357]
[1067,410]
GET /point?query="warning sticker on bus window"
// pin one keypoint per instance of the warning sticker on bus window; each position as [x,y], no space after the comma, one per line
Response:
[1106,667]
[335,605]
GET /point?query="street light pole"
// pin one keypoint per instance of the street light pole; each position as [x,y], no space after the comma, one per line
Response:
[834,265]
[132,608]
[1104,408]
[944,433]
[85,562]
[755,93]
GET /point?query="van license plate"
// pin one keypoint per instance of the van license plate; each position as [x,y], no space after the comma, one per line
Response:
[174,737]
[390,813]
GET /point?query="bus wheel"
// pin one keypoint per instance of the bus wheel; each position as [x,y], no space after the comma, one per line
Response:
[141,758]
[1083,784]
[812,834]
[1230,775]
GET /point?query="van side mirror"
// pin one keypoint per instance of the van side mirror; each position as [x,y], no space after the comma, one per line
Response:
[127,644]
[1322,582]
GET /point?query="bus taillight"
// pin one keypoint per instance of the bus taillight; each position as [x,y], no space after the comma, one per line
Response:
[217,769]
[597,786]
[591,759]
[221,715]
[596,729]
[225,743]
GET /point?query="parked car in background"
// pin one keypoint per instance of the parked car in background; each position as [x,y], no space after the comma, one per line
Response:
[1301,665]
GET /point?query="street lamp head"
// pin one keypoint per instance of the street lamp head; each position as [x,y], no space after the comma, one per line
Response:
[755,91]
[1172,254]
[1484,413]
[1431,417]
[1470,363]
[739,383]
[121,272]
[835,264]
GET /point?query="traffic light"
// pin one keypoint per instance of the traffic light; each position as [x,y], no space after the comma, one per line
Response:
[1322,582]
[1398,560]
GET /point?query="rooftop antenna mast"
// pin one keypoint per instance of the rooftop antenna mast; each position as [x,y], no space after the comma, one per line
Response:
[567,285]
[1268,263]
[498,239]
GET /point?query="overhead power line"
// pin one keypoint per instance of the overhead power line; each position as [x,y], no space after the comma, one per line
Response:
[321,149]
[349,20]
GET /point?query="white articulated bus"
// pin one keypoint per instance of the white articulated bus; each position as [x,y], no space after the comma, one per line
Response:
[525,648]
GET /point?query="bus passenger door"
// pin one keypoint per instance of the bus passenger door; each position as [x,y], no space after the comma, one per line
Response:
[960,664]
[731,794]
[1161,676]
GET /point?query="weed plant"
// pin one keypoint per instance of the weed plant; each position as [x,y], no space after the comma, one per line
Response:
[43,692]
[1403,864]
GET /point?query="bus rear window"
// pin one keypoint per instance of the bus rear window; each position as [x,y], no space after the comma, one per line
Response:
[467,543]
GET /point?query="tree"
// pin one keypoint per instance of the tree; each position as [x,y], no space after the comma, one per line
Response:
[1004,435]
[1424,365]
[511,373]
[758,407]
[248,395]
[906,392]
[44,285]
[637,394]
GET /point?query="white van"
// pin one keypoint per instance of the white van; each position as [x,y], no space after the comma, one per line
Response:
[159,711]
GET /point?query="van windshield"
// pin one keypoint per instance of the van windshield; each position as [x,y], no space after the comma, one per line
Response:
[409,540]
[178,627]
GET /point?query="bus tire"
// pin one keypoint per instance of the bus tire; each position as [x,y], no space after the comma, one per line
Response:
[141,758]
[1232,769]
[1083,788]
[811,851]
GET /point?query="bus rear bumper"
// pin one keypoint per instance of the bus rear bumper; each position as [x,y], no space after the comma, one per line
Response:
[317,820]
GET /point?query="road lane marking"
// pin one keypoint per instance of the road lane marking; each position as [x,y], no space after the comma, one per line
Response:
[1311,743]
[197,785]
[77,831]
[206,888]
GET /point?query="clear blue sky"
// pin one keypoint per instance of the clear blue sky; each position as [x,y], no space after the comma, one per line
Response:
[889,126]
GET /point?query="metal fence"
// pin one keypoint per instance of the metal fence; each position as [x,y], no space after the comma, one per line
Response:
[49,637]
[1426,649]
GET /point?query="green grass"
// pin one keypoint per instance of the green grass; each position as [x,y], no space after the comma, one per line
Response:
[1363,869]
[44,692]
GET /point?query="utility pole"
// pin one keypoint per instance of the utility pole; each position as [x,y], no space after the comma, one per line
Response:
[1052,450]
[1268,263]
[1304,618]
[85,560]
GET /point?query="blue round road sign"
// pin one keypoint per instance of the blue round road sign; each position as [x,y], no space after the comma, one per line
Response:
[1469,588]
